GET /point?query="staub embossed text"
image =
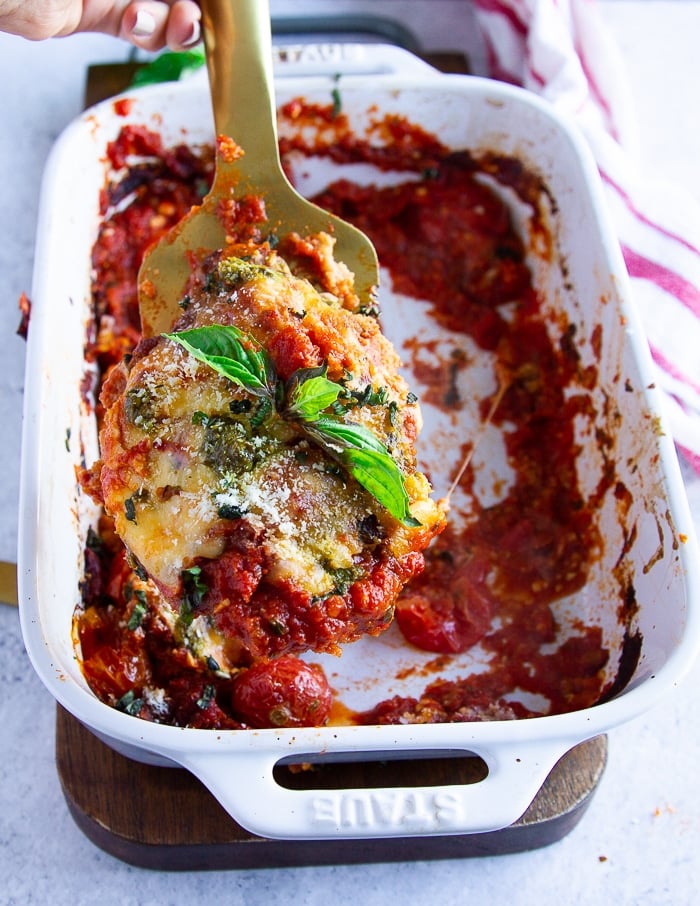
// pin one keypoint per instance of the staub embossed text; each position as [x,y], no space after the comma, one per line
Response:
[389,809]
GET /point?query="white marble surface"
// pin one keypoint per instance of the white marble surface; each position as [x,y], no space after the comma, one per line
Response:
[639,842]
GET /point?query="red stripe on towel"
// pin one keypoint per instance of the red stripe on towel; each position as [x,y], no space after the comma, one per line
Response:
[672,369]
[647,221]
[509,14]
[644,269]
[692,458]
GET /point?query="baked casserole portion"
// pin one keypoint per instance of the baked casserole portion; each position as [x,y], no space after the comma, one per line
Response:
[259,461]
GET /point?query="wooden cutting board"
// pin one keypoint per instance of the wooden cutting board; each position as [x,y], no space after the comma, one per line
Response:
[164,818]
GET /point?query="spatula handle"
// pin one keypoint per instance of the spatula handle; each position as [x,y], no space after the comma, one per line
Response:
[238,42]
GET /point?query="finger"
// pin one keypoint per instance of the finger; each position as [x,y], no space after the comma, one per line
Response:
[184,25]
[144,24]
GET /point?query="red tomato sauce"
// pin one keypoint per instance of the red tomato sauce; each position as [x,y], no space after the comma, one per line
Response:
[449,239]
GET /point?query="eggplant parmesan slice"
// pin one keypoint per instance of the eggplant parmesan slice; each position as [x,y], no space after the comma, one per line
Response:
[259,461]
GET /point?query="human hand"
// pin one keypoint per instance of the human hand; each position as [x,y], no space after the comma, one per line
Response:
[149,24]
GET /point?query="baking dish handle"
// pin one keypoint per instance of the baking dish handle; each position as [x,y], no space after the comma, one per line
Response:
[244,785]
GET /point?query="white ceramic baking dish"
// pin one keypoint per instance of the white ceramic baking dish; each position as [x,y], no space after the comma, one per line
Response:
[586,279]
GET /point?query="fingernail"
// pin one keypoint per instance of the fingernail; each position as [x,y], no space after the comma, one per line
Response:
[145,24]
[195,34]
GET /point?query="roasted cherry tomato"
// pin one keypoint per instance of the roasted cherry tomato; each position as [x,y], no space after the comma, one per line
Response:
[448,609]
[285,692]
[113,658]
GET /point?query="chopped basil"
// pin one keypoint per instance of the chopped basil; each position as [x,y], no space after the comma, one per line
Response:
[262,413]
[139,611]
[393,413]
[200,418]
[235,271]
[227,446]
[337,102]
[194,590]
[139,408]
[93,541]
[370,529]
[277,627]
[130,509]
[370,310]
[129,703]
[207,697]
[368,396]
[230,511]
[305,400]
[140,571]
[344,578]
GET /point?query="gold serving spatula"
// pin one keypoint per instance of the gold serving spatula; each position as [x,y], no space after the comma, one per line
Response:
[8,583]
[238,42]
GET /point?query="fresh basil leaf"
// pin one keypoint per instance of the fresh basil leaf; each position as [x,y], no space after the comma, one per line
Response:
[379,474]
[348,435]
[368,461]
[170,66]
[310,395]
[222,347]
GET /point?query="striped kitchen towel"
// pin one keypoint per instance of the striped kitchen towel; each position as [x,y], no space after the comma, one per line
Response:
[561,50]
